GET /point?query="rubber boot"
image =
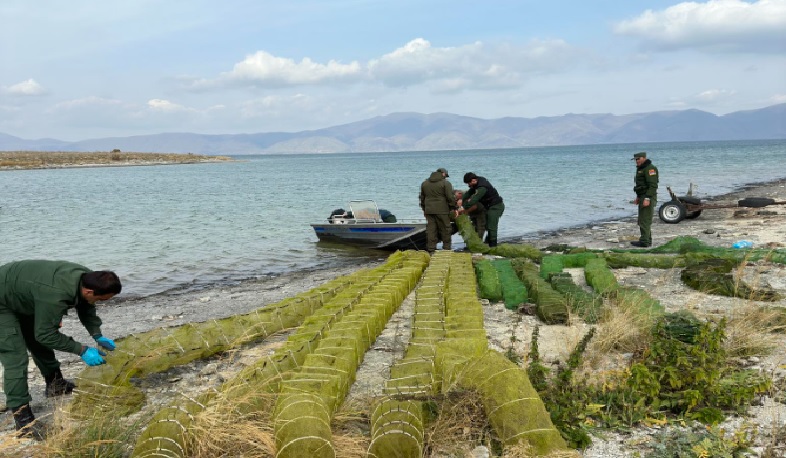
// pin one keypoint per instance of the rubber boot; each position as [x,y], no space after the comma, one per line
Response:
[25,423]
[56,385]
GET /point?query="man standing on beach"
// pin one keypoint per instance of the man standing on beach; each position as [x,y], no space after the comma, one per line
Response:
[438,202]
[34,297]
[646,189]
[481,191]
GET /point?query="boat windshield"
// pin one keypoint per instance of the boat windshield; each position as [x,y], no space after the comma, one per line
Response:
[365,211]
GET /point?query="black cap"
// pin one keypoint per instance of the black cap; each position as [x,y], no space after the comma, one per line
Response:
[443,170]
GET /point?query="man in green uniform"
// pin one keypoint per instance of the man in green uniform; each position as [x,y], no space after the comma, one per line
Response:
[646,189]
[481,191]
[438,202]
[34,297]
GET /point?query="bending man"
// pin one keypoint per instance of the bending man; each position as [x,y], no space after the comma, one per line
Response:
[481,191]
[34,298]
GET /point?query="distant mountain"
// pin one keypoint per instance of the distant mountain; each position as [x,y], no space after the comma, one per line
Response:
[445,131]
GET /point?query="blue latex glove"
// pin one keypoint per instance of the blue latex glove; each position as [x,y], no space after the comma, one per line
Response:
[109,344]
[93,356]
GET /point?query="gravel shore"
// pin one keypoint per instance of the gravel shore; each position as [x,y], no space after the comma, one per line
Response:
[718,227]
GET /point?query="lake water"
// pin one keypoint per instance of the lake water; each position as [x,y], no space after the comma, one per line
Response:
[185,226]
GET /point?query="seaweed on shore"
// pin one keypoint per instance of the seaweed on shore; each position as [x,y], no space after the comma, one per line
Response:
[713,275]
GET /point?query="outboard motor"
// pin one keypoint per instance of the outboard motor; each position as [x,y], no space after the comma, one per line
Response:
[338,216]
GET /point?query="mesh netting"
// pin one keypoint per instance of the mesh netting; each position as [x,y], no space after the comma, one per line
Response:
[550,264]
[327,374]
[253,389]
[589,306]
[512,405]
[518,250]
[657,261]
[513,290]
[600,277]
[489,286]
[552,307]
[470,236]
[685,244]
[397,429]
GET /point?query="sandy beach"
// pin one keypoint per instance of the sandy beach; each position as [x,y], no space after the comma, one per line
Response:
[764,227]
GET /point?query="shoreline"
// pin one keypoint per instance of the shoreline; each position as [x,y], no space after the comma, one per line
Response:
[43,160]
[766,187]
[717,227]
[125,164]
[541,239]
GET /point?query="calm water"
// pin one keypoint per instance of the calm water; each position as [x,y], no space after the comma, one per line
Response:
[166,227]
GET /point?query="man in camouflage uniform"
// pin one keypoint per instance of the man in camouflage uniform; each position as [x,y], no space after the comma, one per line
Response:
[646,189]
[34,298]
[438,203]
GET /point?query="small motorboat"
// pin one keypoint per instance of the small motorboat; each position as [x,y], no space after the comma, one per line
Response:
[367,226]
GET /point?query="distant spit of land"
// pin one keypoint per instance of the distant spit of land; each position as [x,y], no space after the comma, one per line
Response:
[23,160]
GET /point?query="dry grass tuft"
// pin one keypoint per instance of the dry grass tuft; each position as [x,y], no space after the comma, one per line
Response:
[351,435]
[96,436]
[625,330]
[460,425]
[753,330]
[235,427]
[221,433]
[350,446]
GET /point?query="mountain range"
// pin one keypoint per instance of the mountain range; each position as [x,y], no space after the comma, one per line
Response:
[445,131]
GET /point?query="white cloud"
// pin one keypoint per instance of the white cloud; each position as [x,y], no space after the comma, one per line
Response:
[445,69]
[717,25]
[86,102]
[705,99]
[26,88]
[714,95]
[476,65]
[165,106]
[265,69]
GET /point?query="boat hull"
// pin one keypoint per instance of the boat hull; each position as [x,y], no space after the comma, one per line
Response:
[386,236]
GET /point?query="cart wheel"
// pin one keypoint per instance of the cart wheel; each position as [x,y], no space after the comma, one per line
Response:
[672,212]
[693,215]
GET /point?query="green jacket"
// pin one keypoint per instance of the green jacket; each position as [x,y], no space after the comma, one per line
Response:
[646,181]
[484,193]
[436,195]
[46,290]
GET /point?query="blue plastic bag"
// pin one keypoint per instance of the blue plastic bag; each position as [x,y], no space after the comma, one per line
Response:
[743,244]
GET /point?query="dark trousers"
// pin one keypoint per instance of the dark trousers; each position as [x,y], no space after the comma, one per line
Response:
[438,228]
[16,338]
[645,221]
[493,214]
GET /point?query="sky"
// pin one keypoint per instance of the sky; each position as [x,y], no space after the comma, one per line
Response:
[81,69]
